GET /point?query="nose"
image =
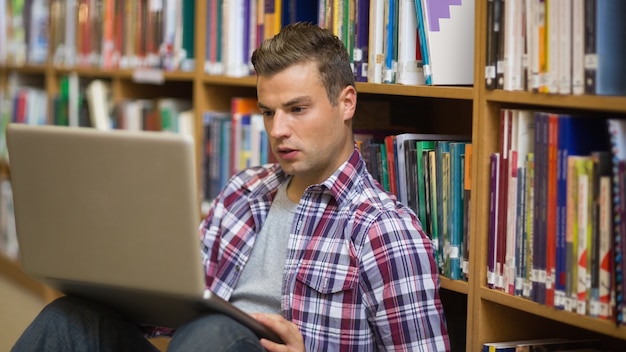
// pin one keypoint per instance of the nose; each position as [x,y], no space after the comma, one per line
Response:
[278,125]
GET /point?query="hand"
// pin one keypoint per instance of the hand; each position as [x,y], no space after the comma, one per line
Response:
[285,329]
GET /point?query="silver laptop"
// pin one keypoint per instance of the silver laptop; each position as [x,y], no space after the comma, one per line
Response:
[114,216]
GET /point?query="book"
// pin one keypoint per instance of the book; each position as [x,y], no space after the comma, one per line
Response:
[540,200]
[584,174]
[556,345]
[467,197]
[422,149]
[611,48]
[590,46]
[240,107]
[513,45]
[617,138]
[390,39]
[510,346]
[522,133]
[529,222]
[409,67]
[375,49]
[565,56]
[449,30]
[491,47]
[551,205]
[601,263]
[498,18]
[578,47]
[99,100]
[360,53]
[492,248]
[456,212]
[422,25]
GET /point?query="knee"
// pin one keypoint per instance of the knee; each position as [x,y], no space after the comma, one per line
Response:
[219,332]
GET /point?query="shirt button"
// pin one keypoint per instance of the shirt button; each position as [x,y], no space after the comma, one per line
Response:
[237,268]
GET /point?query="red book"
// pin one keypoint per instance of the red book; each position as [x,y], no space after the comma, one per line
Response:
[551,208]
[240,106]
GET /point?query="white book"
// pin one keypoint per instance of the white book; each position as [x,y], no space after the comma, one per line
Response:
[553,30]
[578,47]
[513,45]
[234,41]
[565,47]
[376,56]
[73,100]
[98,95]
[256,130]
[450,42]
[409,68]
[583,171]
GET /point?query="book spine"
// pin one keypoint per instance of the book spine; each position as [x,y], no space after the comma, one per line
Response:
[591,58]
[493,219]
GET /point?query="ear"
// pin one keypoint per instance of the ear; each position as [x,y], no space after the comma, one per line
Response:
[347,102]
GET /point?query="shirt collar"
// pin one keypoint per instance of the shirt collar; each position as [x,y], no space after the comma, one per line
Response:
[340,184]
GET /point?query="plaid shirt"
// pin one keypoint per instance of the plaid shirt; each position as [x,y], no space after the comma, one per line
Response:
[360,273]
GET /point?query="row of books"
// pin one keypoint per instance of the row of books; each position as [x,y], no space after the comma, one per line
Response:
[390,41]
[544,345]
[556,46]
[99,33]
[555,228]
[405,41]
[234,28]
[430,174]
[88,103]
[233,140]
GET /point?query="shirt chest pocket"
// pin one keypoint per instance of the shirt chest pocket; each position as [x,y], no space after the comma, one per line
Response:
[332,273]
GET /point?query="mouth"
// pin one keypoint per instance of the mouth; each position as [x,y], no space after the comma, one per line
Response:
[286,153]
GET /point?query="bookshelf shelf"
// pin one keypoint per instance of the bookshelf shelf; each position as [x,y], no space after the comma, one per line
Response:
[454,285]
[460,93]
[605,327]
[248,81]
[11,270]
[613,104]
[26,69]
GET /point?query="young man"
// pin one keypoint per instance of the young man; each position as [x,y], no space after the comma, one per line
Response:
[311,246]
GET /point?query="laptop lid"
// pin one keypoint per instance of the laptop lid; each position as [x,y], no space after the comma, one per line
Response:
[113,209]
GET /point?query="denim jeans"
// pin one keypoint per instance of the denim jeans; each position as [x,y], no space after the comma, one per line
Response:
[74,324]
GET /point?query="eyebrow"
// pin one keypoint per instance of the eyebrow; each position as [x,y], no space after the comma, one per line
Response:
[292,102]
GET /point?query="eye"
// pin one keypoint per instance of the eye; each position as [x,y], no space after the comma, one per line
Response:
[297,109]
[267,113]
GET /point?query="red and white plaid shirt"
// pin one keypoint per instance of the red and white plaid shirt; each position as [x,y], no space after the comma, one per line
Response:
[360,273]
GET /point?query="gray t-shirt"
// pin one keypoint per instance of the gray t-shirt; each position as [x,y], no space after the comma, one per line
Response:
[259,288]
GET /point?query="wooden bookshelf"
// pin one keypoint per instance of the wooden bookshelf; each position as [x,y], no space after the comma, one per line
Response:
[482,314]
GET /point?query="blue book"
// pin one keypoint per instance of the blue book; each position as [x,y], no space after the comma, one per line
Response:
[457,151]
[421,32]
[611,47]
[391,40]
[299,11]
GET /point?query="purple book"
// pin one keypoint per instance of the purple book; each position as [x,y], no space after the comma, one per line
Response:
[493,218]
[361,40]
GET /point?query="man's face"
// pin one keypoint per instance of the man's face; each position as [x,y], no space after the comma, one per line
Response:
[309,136]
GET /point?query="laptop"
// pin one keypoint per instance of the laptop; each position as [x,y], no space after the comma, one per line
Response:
[114,216]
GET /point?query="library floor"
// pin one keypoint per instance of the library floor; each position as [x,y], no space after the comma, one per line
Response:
[18,308]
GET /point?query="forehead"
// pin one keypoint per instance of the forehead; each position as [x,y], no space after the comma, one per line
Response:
[300,79]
